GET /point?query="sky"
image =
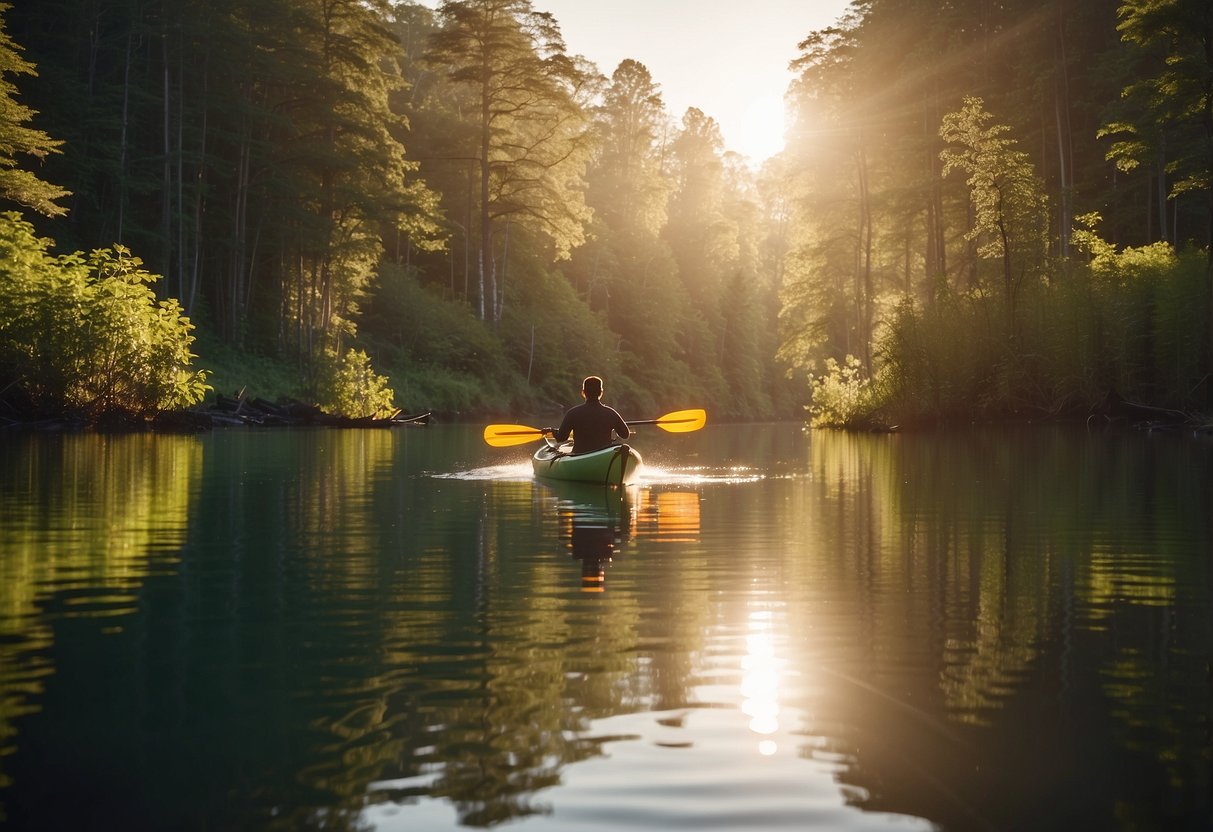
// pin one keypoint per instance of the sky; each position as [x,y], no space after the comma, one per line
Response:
[727,58]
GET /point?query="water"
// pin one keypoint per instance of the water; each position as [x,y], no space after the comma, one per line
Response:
[400,630]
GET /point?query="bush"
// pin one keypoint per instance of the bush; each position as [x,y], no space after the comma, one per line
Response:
[86,334]
[843,396]
[348,386]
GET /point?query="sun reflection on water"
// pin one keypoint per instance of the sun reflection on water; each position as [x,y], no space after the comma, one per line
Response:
[762,669]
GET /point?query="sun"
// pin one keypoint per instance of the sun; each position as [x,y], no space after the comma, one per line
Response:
[761,134]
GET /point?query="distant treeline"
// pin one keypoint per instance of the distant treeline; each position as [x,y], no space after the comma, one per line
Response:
[452,196]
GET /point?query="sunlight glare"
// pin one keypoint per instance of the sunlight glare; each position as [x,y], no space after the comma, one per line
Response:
[760,682]
[762,132]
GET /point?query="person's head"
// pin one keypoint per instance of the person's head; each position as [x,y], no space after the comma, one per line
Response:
[591,388]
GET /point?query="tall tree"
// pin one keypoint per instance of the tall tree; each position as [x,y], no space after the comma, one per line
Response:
[1009,206]
[1173,42]
[828,288]
[701,238]
[531,132]
[625,271]
[342,151]
[18,139]
[629,186]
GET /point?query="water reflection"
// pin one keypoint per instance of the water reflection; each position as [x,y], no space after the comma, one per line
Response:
[760,682]
[86,520]
[1050,578]
[596,522]
[341,630]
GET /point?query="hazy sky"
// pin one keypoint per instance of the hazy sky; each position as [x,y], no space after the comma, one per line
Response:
[727,58]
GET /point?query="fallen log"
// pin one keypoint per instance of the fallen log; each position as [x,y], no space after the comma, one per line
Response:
[1115,407]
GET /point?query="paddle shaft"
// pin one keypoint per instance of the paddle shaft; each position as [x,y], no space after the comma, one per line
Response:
[680,421]
[631,422]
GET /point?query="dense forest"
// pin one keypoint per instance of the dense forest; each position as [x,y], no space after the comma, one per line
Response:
[983,208]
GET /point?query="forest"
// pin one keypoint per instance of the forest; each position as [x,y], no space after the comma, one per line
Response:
[983,209]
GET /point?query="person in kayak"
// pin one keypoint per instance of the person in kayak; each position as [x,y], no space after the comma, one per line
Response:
[590,422]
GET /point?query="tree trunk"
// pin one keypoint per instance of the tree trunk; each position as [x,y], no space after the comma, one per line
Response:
[865,232]
[1161,190]
[488,280]
[1065,152]
[122,141]
[166,187]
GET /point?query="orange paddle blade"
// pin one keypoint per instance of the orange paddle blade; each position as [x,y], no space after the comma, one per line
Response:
[503,436]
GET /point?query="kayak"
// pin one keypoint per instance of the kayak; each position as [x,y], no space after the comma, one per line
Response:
[612,465]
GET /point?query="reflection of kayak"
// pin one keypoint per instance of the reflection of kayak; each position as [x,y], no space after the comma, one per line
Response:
[614,464]
[595,521]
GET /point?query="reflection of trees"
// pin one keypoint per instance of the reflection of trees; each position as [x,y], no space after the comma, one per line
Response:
[86,519]
[461,662]
[343,630]
[1009,562]
[546,668]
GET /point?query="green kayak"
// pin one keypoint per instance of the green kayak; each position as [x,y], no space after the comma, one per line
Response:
[613,465]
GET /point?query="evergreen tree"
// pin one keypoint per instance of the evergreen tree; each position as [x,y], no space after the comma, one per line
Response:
[629,186]
[17,139]
[530,132]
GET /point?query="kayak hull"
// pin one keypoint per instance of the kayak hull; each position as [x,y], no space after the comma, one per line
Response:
[612,465]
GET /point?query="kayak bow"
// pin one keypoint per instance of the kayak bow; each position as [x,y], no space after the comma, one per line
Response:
[613,465]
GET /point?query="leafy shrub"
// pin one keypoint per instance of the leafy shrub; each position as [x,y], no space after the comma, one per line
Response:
[86,333]
[348,386]
[842,397]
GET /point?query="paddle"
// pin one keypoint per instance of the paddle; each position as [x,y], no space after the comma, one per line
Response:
[680,421]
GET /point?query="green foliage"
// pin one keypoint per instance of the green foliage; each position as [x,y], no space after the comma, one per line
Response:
[1171,91]
[842,396]
[553,340]
[439,354]
[347,385]
[1010,211]
[16,184]
[1123,322]
[944,360]
[261,376]
[86,333]
[414,324]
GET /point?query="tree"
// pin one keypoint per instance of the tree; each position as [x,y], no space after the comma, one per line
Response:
[531,140]
[352,171]
[629,186]
[1173,39]
[1010,219]
[1174,121]
[17,139]
[828,288]
[700,236]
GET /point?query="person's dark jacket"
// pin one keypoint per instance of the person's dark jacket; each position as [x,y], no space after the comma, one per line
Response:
[591,424]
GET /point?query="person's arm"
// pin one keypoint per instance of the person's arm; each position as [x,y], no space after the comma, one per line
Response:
[621,427]
[561,434]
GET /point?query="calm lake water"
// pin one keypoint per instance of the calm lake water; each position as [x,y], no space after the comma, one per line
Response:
[401,630]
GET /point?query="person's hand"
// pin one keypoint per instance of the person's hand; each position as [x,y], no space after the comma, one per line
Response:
[548,430]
